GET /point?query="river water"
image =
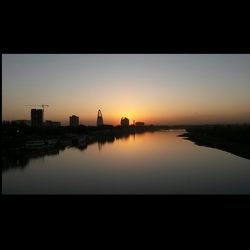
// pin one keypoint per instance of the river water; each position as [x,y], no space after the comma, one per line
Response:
[148,163]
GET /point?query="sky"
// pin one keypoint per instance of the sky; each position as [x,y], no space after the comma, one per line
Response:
[154,88]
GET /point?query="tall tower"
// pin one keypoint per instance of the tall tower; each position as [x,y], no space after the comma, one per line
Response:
[99,121]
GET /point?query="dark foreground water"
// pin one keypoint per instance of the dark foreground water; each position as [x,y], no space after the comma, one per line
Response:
[149,163]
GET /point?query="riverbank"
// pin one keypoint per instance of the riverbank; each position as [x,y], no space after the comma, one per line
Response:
[27,143]
[18,135]
[17,151]
[234,139]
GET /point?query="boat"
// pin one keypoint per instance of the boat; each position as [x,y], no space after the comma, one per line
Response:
[65,142]
[52,142]
[82,138]
[35,144]
[82,141]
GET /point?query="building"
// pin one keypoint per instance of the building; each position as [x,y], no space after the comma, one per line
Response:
[52,124]
[23,122]
[36,117]
[139,124]
[6,122]
[99,120]
[124,121]
[74,121]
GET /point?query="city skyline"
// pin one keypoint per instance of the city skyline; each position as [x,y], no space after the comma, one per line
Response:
[155,89]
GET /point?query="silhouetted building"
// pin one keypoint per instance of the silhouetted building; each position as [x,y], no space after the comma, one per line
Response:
[56,124]
[36,117]
[52,124]
[124,121]
[74,121]
[6,122]
[23,122]
[139,124]
[99,120]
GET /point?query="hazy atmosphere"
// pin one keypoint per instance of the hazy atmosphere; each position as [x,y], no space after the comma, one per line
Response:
[126,124]
[154,88]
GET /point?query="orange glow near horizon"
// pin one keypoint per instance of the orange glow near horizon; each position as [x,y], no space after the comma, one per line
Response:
[155,89]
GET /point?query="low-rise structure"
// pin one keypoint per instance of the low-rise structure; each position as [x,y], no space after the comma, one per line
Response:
[139,124]
[52,124]
[25,122]
[6,122]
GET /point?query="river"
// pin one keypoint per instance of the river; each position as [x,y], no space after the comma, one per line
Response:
[149,163]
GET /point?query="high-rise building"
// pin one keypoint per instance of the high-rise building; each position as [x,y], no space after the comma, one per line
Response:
[36,117]
[99,120]
[74,121]
[124,121]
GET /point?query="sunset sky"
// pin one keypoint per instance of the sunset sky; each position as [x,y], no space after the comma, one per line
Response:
[154,88]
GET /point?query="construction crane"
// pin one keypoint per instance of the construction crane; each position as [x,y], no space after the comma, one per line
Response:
[42,105]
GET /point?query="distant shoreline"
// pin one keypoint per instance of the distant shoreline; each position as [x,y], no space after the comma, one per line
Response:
[234,139]
[231,138]
[18,151]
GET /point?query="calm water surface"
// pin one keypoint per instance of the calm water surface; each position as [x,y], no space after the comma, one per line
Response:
[149,163]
